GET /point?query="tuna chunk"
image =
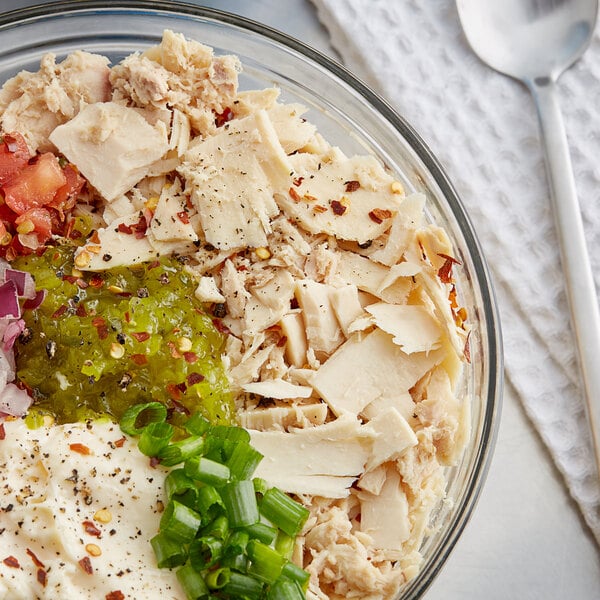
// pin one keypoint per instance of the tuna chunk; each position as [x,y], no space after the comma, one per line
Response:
[35,103]
[112,145]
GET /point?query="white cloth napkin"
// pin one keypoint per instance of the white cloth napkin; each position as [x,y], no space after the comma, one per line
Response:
[483,128]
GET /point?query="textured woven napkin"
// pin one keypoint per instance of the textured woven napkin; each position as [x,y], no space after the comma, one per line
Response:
[483,128]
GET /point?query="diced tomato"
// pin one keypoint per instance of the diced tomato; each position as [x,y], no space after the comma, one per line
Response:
[41,220]
[35,185]
[66,196]
[14,155]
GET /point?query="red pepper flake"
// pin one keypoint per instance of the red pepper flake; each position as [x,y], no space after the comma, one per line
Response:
[141,336]
[224,117]
[319,208]
[127,317]
[101,328]
[338,208]
[122,228]
[183,217]
[194,378]
[91,529]
[116,595]
[178,407]
[36,561]
[190,357]
[94,238]
[86,564]
[59,312]
[2,432]
[445,271]
[82,284]
[139,228]
[377,215]
[282,341]
[297,181]
[173,391]
[174,352]
[220,326]
[352,186]
[119,443]
[75,234]
[41,577]
[11,561]
[294,195]
[154,461]
[69,278]
[139,359]
[153,265]
[80,449]
[80,311]
[96,281]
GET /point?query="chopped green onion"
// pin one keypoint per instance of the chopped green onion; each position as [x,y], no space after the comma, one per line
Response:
[205,552]
[197,424]
[283,511]
[210,503]
[243,460]
[177,482]
[218,578]
[155,437]
[180,522]
[151,412]
[237,563]
[237,542]
[192,583]
[218,528]
[243,586]
[233,434]
[260,485]
[262,532]
[295,573]
[285,589]
[240,503]
[169,553]
[206,470]
[265,562]
[284,544]
[180,451]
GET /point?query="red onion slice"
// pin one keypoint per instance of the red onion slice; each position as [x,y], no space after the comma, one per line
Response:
[24,281]
[11,333]
[36,301]
[9,301]
[14,401]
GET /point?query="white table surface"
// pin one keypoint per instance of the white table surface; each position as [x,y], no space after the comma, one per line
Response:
[526,539]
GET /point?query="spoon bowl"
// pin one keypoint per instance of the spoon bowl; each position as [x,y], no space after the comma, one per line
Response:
[535,41]
[529,39]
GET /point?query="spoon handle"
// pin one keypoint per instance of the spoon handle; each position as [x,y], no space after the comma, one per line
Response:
[579,280]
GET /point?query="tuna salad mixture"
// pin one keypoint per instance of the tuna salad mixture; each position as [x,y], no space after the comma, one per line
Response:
[205,247]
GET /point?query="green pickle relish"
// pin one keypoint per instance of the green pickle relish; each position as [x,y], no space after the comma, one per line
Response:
[101,342]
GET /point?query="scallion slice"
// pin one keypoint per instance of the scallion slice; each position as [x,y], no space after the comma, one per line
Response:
[243,586]
[193,583]
[206,470]
[155,437]
[177,482]
[180,522]
[295,573]
[210,503]
[243,460]
[138,416]
[197,424]
[283,511]
[205,552]
[285,589]
[169,553]
[265,562]
[218,578]
[262,532]
[240,503]
[180,451]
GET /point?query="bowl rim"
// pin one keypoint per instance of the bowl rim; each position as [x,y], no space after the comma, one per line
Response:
[492,396]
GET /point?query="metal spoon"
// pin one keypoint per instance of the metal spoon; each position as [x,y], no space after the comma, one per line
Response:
[535,41]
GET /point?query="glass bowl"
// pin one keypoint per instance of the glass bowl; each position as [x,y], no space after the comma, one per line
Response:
[349,115]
